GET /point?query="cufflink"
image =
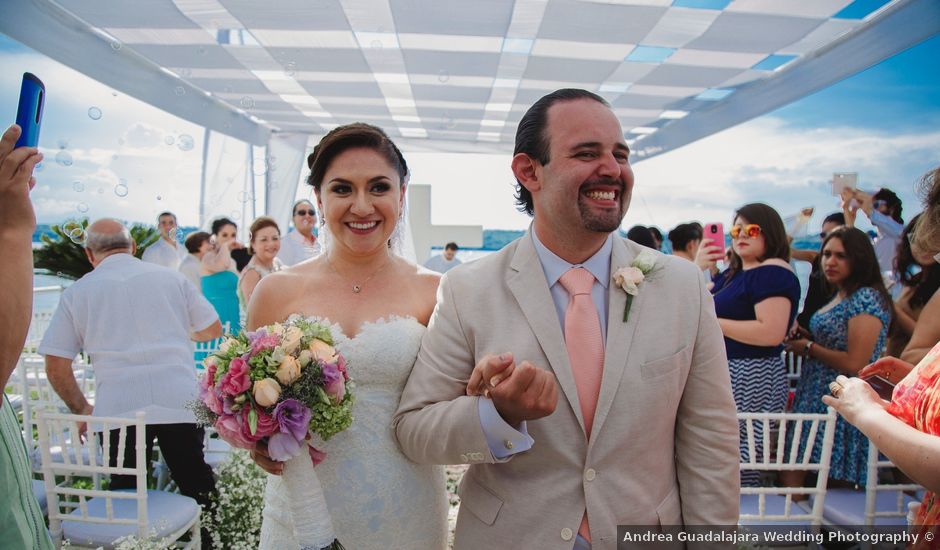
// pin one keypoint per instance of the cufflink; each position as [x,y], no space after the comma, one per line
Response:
[508,444]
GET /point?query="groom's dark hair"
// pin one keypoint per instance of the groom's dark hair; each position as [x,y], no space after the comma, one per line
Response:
[531,138]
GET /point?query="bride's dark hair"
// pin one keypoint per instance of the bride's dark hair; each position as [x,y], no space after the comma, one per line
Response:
[351,136]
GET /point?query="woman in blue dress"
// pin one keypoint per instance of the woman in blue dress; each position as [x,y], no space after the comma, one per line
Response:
[220,276]
[756,300]
[845,335]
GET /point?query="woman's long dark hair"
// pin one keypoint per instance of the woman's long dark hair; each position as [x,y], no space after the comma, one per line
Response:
[864,270]
[926,282]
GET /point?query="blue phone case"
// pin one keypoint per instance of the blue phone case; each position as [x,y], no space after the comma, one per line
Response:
[29,113]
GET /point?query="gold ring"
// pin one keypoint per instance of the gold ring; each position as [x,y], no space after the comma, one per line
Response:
[835,388]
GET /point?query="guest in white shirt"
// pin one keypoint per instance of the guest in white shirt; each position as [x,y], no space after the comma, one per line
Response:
[300,244]
[884,211]
[442,263]
[166,251]
[135,321]
[197,244]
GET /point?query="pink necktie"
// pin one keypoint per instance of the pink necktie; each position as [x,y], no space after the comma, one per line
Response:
[585,345]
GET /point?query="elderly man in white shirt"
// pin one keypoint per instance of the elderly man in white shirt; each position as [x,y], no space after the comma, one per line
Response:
[166,251]
[135,321]
[300,244]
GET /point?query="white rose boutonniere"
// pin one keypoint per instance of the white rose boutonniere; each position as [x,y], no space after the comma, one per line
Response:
[629,278]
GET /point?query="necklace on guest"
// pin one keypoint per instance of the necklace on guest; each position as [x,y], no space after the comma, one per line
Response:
[357,287]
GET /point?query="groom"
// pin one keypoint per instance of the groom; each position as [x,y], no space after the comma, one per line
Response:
[639,428]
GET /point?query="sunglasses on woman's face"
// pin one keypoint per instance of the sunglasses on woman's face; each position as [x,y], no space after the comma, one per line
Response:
[879,203]
[305,213]
[749,231]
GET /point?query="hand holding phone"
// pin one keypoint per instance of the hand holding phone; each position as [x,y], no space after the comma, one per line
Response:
[29,112]
[714,233]
[882,386]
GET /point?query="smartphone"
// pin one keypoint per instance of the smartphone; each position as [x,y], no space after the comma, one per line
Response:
[882,387]
[843,180]
[715,233]
[29,113]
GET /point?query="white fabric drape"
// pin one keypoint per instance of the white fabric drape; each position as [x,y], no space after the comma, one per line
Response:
[227,182]
[285,162]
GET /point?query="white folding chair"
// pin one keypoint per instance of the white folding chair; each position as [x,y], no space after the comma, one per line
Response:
[794,364]
[774,506]
[203,349]
[38,395]
[37,328]
[96,518]
[881,507]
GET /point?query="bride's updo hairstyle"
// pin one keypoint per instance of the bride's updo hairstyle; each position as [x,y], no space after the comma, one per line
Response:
[353,136]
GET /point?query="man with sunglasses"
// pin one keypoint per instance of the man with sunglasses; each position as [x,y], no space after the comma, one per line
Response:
[300,244]
[884,211]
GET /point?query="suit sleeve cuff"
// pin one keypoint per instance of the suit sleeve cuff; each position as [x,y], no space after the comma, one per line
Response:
[502,439]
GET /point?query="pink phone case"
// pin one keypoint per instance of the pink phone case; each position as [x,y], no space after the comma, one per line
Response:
[715,232]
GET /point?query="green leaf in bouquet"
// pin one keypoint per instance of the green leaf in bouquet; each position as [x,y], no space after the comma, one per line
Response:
[253,420]
[324,398]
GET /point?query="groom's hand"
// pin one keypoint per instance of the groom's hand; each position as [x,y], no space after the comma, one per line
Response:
[528,393]
[488,372]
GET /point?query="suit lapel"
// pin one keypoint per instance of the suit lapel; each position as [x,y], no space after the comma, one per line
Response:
[619,334]
[526,281]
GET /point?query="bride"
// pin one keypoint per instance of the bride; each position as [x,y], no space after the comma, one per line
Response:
[380,303]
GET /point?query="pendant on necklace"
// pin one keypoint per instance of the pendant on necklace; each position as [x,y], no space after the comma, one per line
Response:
[356,289]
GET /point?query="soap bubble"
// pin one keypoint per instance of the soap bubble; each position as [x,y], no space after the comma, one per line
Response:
[115,45]
[94,113]
[121,189]
[179,90]
[62,143]
[290,69]
[78,186]
[82,207]
[63,158]
[169,140]
[247,102]
[443,76]
[185,142]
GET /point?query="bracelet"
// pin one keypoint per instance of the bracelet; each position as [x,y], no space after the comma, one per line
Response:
[809,346]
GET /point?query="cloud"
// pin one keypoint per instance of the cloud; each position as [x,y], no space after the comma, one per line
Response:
[766,160]
[141,135]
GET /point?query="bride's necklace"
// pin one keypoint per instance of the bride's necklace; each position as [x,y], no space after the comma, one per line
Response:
[357,287]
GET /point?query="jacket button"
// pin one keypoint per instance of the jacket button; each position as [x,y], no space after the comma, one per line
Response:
[566,534]
[590,474]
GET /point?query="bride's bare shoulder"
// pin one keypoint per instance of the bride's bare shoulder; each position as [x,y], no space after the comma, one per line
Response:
[278,292]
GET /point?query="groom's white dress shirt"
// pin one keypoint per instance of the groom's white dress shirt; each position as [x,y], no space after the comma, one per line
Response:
[502,438]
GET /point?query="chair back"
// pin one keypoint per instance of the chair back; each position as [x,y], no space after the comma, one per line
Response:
[794,364]
[37,329]
[896,506]
[204,349]
[38,395]
[771,454]
[85,461]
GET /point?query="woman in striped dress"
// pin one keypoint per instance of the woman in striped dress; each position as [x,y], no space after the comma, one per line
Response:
[756,300]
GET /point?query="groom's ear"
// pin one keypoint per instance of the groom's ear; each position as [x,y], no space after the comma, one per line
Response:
[526,170]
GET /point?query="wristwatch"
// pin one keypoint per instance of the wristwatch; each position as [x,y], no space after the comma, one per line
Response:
[809,346]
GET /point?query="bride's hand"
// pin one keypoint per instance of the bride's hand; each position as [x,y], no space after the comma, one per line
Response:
[260,455]
[489,372]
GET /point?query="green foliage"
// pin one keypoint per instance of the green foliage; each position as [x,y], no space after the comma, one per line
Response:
[64,255]
[234,519]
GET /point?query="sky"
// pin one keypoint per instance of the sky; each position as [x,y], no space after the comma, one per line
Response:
[108,154]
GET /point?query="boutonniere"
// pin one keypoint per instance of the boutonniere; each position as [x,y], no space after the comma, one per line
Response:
[629,278]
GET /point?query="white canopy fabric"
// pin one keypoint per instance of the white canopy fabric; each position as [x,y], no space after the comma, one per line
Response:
[456,75]
[453,75]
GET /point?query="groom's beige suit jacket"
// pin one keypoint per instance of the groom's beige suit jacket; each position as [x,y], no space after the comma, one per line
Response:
[664,448]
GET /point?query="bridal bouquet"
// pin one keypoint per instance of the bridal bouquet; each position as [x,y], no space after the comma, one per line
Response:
[280,385]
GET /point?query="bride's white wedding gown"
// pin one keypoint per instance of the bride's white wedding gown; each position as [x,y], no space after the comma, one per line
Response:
[378,499]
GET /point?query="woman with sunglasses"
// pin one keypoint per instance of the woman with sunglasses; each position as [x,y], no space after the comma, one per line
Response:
[756,300]
[906,429]
[845,335]
[300,244]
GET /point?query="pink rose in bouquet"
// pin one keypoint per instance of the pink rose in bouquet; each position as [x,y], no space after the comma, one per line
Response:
[236,380]
[229,427]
